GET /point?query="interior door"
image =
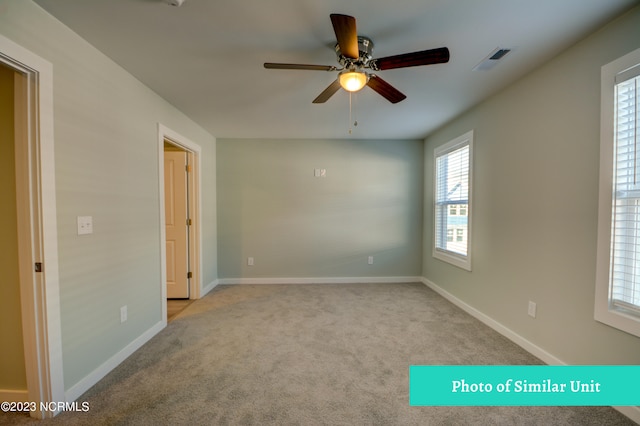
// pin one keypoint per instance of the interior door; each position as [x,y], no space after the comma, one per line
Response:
[12,362]
[176,216]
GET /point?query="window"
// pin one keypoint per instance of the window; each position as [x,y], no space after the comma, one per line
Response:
[618,263]
[452,201]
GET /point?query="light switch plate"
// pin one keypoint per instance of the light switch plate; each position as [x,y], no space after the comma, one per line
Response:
[85,225]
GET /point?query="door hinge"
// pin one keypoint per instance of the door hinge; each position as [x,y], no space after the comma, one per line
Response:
[189,275]
[38,267]
[188,222]
[188,168]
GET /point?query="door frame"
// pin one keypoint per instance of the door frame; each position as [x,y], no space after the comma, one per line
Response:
[195,240]
[37,224]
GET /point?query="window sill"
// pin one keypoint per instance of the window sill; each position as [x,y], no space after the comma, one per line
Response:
[463,262]
[620,320]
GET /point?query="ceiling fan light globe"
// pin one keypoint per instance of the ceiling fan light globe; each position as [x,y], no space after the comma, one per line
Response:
[352,81]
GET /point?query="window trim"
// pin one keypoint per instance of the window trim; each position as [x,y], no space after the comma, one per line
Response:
[602,311]
[455,259]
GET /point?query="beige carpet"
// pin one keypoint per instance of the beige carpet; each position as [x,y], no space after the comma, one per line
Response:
[309,355]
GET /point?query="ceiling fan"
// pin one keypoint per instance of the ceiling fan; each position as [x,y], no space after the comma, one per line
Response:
[355,55]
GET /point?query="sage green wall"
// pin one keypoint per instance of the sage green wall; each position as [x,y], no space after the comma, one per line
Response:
[12,370]
[271,207]
[536,202]
[106,161]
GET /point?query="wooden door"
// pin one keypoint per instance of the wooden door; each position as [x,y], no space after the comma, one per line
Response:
[12,362]
[176,216]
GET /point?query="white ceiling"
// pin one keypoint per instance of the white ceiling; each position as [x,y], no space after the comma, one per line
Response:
[206,57]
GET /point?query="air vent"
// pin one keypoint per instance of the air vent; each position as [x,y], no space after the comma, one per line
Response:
[492,59]
[499,54]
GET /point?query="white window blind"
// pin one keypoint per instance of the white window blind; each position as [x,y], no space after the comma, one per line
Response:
[452,194]
[624,288]
[617,297]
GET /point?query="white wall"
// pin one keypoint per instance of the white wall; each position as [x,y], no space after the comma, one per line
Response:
[295,225]
[106,161]
[536,202]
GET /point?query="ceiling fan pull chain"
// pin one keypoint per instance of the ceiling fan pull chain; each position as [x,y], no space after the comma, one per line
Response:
[355,110]
[352,106]
[350,129]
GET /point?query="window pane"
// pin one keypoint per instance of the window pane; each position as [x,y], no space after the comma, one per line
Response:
[452,194]
[625,238]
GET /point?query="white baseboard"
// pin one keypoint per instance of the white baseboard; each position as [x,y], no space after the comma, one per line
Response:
[96,375]
[632,412]
[209,287]
[505,331]
[12,395]
[320,280]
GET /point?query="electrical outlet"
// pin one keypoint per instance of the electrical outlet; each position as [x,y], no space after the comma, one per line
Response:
[370,260]
[532,309]
[250,261]
[123,314]
[320,173]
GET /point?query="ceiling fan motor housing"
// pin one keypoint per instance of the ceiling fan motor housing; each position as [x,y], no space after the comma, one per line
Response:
[365,52]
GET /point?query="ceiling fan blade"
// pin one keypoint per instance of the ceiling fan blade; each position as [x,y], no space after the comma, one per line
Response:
[276,66]
[414,59]
[392,94]
[345,28]
[328,92]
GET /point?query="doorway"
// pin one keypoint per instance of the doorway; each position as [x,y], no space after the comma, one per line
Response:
[177,220]
[180,221]
[35,227]
[13,375]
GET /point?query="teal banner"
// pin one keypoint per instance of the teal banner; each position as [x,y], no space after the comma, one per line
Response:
[522,385]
